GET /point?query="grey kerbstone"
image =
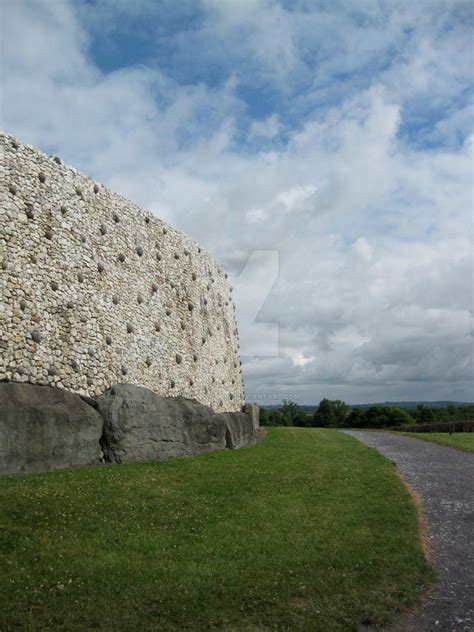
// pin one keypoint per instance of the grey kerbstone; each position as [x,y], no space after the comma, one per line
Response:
[253,411]
[239,429]
[44,428]
[140,425]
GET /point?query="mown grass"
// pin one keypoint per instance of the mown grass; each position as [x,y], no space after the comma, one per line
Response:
[309,530]
[461,440]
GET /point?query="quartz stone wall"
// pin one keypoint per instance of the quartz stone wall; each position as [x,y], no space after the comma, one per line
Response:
[96,291]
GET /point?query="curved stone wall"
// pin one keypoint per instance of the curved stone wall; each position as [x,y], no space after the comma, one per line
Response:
[96,291]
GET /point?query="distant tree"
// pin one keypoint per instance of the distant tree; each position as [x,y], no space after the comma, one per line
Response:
[263,416]
[324,416]
[423,414]
[385,417]
[376,417]
[281,419]
[318,420]
[303,420]
[355,418]
[399,417]
[341,410]
[290,411]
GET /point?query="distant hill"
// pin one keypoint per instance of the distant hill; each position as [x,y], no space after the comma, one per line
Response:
[309,408]
[438,404]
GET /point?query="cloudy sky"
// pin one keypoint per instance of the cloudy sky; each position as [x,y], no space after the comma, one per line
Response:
[321,149]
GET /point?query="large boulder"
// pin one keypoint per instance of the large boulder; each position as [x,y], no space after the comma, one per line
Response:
[44,428]
[253,411]
[140,425]
[239,430]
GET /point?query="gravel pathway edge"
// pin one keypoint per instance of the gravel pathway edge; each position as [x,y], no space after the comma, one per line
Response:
[443,478]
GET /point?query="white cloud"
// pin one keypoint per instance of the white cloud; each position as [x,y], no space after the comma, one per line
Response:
[259,29]
[268,128]
[255,215]
[296,197]
[363,249]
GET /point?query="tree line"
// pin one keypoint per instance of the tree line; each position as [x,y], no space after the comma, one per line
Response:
[337,414]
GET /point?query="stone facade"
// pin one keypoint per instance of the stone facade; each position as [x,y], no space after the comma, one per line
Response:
[96,291]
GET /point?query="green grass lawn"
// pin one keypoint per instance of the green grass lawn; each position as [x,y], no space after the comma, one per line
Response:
[460,440]
[309,530]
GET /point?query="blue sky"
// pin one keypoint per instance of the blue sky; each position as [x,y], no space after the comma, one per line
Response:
[182,40]
[321,150]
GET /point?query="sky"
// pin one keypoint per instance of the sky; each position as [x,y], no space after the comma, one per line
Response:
[321,150]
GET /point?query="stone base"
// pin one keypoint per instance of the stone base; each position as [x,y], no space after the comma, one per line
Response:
[140,425]
[44,428]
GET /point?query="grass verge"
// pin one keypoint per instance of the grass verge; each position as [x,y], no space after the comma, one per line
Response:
[461,440]
[309,530]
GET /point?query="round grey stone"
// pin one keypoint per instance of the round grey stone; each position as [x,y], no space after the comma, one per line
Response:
[36,336]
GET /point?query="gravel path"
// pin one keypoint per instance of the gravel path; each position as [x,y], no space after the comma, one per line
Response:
[444,479]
